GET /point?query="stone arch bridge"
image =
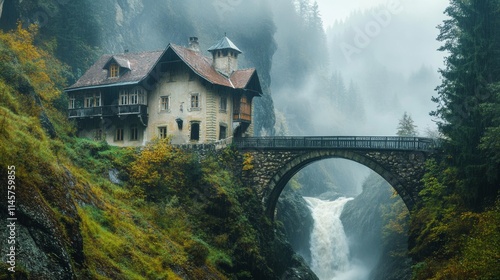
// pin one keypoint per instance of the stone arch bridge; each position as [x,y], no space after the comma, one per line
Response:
[275,160]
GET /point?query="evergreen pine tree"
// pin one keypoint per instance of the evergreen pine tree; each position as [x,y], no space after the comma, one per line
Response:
[406,126]
[472,40]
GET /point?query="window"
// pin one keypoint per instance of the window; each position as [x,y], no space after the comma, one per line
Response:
[223,104]
[92,99]
[195,131]
[222,132]
[123,97]
[142,96]
[119,134]
[89,101]
[133,97]
[97,99]
[162,132]
[134,133]
[195,101]
[72,102]
[114,70]
[165,103]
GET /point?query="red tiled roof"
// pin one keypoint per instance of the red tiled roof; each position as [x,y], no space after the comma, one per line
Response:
[202,66]
[141,65]
[241,78]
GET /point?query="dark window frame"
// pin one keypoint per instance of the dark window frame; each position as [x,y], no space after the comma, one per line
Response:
[195,130]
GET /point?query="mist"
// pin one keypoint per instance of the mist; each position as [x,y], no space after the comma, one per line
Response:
[369,64]
[386,54]
[327,67]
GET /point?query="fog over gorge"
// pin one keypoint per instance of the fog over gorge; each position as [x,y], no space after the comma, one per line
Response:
[182,139]
[368,64]
[386,51]
[342,67]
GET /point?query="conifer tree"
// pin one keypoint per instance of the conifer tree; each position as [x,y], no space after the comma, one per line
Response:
[471,38]
[406,126]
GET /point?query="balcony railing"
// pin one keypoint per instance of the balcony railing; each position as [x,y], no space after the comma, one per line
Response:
[108,111]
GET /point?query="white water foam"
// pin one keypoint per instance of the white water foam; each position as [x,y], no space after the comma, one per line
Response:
[329,248]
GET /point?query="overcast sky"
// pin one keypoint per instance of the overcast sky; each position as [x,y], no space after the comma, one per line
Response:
[417,36]
[332,10]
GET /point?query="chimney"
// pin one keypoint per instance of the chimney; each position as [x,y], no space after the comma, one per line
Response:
[193,44]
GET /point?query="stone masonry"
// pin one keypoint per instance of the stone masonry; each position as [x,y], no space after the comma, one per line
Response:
[271,169]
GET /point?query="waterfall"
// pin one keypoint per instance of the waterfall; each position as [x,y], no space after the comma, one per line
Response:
[329,248]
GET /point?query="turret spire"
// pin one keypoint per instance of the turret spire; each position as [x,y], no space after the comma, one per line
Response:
[225,56]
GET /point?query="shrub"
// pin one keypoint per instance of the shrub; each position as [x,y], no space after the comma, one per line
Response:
[163,170]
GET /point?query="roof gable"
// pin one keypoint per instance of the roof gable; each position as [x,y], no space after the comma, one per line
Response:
[247,79]
[202,66]
[141,65]
[121,61]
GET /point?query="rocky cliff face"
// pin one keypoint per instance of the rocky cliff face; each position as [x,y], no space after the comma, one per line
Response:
[297,222]
[49,243]
[363,220]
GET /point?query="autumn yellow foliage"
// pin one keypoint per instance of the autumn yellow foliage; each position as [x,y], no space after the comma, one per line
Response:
[38,66]
[161,168]
[247,161]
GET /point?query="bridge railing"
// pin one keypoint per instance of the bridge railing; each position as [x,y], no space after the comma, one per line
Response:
[347,142]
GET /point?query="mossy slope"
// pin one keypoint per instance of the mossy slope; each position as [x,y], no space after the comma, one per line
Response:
[174,216]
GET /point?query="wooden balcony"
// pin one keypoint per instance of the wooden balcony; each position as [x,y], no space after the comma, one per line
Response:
[242,117]
[108,111]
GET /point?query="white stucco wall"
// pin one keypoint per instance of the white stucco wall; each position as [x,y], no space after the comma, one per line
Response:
[179,91]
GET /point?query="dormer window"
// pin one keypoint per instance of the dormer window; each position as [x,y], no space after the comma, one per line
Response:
[114,70]
[117,65]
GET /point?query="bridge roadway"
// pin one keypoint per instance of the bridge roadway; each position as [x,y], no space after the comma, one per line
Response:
[338,142]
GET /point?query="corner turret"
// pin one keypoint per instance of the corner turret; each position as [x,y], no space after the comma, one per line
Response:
[225,56]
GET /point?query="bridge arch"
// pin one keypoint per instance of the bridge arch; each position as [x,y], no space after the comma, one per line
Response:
[284,174]
[399,160]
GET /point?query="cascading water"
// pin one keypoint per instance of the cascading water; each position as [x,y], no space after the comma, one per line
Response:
[329,248]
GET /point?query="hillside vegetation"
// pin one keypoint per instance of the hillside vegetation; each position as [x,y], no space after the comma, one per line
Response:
[171,214]
[455,230]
